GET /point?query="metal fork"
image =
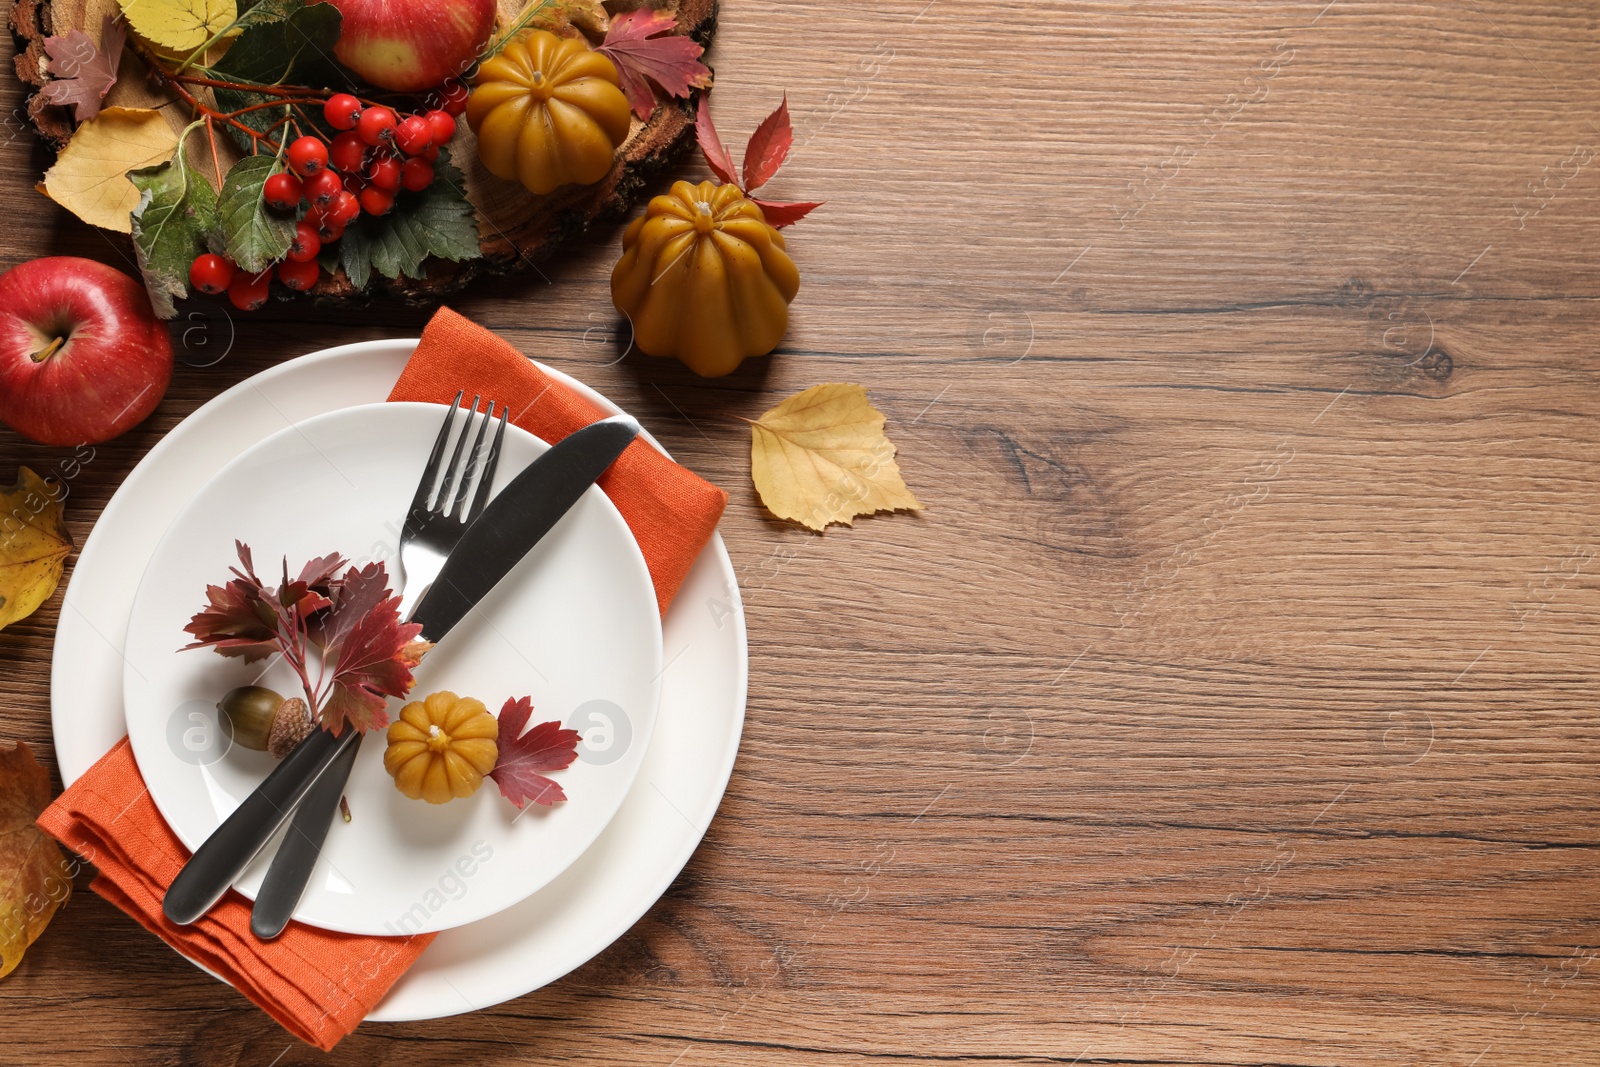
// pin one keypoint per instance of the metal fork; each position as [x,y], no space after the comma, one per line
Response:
[436,520]
[448,498]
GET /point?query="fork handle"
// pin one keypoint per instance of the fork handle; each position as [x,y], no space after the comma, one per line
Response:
[224,855]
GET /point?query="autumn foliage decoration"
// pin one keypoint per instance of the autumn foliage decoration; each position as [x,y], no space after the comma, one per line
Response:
[269,181]
[340,633]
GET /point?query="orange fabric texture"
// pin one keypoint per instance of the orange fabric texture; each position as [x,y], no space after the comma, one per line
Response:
[319,985]
[671,510]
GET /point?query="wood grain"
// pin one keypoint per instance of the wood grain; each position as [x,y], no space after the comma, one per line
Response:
[1234,701]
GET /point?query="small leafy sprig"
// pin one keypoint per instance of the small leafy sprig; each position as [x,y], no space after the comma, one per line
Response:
[763,155]
[341,634]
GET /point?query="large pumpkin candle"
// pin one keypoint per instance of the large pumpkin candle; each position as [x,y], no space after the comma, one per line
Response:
[705,278]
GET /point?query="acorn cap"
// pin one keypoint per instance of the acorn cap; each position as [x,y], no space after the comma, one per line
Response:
[291,724]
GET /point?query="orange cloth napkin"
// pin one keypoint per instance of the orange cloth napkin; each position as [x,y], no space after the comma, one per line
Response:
[320,985]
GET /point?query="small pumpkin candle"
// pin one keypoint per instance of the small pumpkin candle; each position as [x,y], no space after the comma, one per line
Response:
[548,112]
[441,747]
[705,278]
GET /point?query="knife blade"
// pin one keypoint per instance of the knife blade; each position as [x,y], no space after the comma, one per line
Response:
[515,520]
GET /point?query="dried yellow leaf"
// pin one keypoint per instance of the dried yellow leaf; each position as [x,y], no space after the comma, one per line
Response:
[90,178]
[180,25]
[821,457]
[35,878]
[33,546]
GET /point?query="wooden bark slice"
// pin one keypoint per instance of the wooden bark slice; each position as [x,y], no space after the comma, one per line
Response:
[515,228]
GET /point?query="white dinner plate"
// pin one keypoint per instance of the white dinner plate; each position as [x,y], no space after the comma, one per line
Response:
[680,783]
[573,625]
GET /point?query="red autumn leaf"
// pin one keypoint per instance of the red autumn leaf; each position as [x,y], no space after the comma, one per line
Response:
[546,747]
[717,157]
[644,48]
[371,666]
[781,214]
[297,600]
[318,573]
[82,74]
[351,597]
[768,148]
[240,618]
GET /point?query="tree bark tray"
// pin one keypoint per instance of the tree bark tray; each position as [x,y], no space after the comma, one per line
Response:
[515,228]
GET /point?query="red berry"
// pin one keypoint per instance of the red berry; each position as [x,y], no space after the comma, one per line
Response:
[443,126]
[385,175]
[376,125]
[355,183]
[342,111]
[210,273]
[451,97]
[413,135]
[376,201]
[346,208]
[283,191]
[297,275]
[306,243]
[431,155]
[348,152]
[307,155]
[329,229]
[249,291]
[416,175]
[322,187]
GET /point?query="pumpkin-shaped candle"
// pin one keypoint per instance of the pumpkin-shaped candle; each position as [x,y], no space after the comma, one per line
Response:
[705,278]
[548,113]
[441,747]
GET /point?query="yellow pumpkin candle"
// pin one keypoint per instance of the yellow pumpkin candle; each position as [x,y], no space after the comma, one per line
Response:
[548,113]
[705,278]
[441,747]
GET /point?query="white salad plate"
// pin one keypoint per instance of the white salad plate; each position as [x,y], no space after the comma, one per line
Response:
[682,776]
[574,625]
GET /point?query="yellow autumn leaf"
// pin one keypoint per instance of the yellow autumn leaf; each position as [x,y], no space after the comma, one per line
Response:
[821,457]
[180,25]
[33,546]
[35,878]
[90,178]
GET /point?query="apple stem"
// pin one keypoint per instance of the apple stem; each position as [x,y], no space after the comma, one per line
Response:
[50,349]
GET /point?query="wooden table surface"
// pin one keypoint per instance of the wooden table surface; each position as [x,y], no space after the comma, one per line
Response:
[1233,702]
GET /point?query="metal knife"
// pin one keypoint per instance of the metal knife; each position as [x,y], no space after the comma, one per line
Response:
[515,520]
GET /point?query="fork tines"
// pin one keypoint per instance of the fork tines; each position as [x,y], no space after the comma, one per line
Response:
[461,490]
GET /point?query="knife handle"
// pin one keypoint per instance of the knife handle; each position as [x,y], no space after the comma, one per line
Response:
[297,856]
[224,855]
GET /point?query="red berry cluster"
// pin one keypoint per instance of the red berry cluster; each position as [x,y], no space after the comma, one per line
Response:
[376,154]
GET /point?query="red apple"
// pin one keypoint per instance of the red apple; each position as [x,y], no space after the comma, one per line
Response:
[411,45]
[82,356]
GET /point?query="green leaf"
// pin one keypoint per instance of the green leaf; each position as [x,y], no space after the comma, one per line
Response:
[437,221]
[284,42]
[263,12]
[175,218]
[288,43]
[254,235]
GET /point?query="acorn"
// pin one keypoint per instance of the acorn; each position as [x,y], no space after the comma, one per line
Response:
[265,721]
